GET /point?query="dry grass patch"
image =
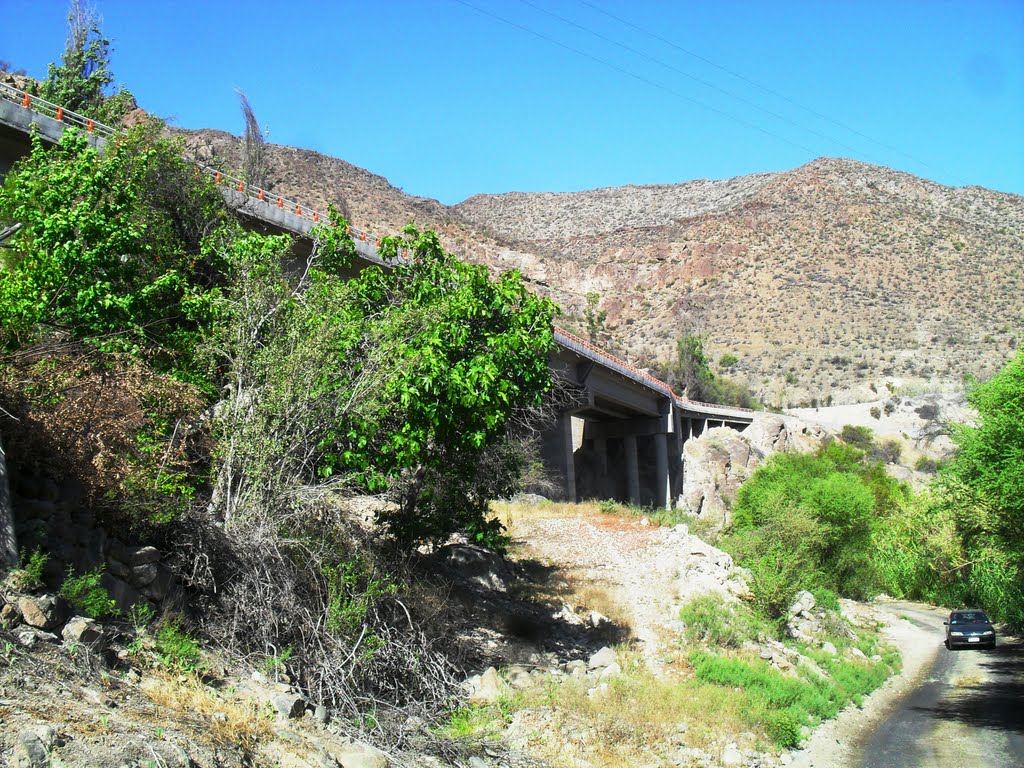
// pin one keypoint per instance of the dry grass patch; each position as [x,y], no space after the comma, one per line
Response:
[577,587]
[517,517]
[640,717]
[225,718]
[967,681]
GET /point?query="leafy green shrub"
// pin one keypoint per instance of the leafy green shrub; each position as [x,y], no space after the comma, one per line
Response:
[29,575]
[353,592]
[926,465]
[276,663]
[825,598]
[88,596]
[728,360]
[175,648]
[783,727]
[805,521]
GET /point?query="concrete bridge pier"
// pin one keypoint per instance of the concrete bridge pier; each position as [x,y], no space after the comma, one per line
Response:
[662,483]
[632,470]
[558,454]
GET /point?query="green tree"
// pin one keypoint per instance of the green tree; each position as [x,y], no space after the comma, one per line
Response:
[114,248]
[983,488]
[594,317]
[989,464]
[691,373]
[80,81]
[692,370]
[400,381]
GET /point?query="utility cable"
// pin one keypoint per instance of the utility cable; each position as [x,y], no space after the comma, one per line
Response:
[753,83]
[694,78]
[640,78]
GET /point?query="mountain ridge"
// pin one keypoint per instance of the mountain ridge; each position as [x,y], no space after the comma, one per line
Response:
[827,282]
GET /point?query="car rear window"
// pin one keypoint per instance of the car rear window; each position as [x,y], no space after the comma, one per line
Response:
[971,617]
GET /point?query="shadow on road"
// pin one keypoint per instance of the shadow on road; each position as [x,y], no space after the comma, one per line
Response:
[996,703]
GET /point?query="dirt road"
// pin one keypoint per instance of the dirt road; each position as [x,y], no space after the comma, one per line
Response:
[966,709]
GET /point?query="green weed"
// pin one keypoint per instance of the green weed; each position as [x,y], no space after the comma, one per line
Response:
[88,596]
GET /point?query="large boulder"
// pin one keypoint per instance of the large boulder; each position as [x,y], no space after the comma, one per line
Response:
[722,459]
[41,611]
[770,433]
[715,465]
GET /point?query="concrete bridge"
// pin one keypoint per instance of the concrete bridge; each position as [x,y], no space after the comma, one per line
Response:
[622,438]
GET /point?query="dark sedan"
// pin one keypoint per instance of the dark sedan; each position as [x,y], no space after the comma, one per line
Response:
[969,628]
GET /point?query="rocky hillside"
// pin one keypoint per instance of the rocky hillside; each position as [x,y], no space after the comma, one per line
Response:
[827,282]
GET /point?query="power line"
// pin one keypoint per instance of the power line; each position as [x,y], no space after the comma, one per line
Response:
[694,78]
[640,78]
[753,83]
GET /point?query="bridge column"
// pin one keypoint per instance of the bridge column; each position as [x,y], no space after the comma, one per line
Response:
[632,470]
[662,490]
[568,446]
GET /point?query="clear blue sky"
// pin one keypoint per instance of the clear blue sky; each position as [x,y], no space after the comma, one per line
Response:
[448,98]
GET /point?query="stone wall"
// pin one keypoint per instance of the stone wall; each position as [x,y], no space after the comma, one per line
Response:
[8,542]
[55,516]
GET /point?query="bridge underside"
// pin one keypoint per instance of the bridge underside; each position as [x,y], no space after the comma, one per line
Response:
[619,440]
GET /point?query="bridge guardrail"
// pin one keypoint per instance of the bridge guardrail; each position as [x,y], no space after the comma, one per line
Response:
[362,238]
[257,194]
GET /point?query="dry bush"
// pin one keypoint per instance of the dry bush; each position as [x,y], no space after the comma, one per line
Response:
[309,582]
[131,436]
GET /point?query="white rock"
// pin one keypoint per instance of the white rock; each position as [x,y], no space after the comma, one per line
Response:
[487,689]
[731,755]
[603,658]
[829,648]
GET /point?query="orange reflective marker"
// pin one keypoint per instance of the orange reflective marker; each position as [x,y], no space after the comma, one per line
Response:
[377,244]
[362,235]
[60,114]
[26,102]
[241,186]
[348,230]
[316,216]
[280,202]
[298,210]
[216,178]
[261,195]
[88,126]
